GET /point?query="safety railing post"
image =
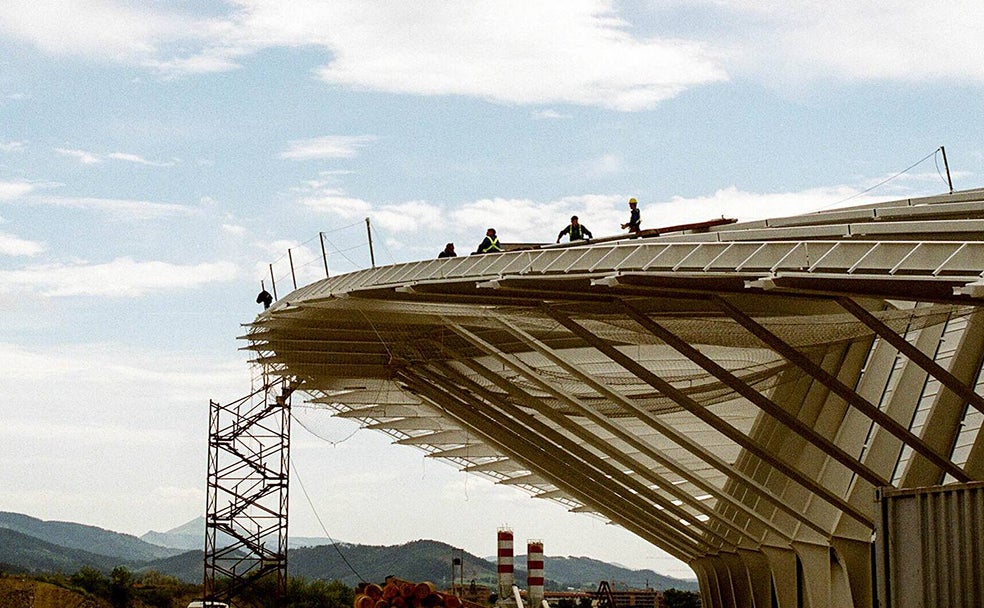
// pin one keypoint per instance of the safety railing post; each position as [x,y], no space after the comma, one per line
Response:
[372,257]
[290,258]
[324,254]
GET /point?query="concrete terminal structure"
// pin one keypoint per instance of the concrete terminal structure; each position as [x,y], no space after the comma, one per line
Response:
[736,397]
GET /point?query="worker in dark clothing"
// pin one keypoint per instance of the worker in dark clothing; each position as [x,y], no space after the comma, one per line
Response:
[448,252]
[576,231]
[264,298]
[635,220]
[490,244]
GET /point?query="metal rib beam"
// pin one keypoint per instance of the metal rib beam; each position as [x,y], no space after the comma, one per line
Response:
[840,389]
[591,459]
[617,431]
[668,431]
[914,354]
[622,457]
[706,416]
[764,403]
[504,437]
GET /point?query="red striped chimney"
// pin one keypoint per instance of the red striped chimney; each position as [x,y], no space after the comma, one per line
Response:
[534,572]
[505,566]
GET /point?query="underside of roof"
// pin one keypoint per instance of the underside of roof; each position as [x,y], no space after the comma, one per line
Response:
[747,386]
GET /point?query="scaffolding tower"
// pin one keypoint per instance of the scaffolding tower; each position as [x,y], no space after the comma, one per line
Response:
[246,510]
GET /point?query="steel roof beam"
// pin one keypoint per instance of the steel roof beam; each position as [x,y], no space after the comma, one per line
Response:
[914,354]
[770,407]
[505,439]
[591,459]
[666,430]
[839,388]
[640,469]
[709,418]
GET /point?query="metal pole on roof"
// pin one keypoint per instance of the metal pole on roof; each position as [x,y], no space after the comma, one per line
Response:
[290,258]
[273,282]
[372,257]
[947,167]
[324,255]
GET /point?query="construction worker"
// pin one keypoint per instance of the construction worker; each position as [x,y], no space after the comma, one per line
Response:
[490,244]
[264,298]
[448,252]
[576,231]
[634,218]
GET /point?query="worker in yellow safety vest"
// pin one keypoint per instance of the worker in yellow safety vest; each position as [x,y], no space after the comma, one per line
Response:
[490,244]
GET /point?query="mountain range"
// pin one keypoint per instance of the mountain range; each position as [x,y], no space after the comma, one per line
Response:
[30,545]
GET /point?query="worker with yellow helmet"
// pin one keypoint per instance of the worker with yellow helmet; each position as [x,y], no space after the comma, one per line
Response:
[634,218]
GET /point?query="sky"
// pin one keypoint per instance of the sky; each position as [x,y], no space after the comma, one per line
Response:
[158,160]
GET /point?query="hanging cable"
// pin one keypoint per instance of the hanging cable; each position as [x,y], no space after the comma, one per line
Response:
[330,442]
[866,190]
[323,528]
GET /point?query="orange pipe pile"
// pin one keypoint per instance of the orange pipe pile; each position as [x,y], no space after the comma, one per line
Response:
[396,593]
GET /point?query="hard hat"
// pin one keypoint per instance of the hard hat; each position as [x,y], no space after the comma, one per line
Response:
[632,201]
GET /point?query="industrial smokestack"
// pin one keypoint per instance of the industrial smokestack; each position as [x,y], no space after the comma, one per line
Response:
[505,566]
[534,572]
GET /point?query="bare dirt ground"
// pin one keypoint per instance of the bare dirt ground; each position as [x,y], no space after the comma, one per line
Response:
[25,593]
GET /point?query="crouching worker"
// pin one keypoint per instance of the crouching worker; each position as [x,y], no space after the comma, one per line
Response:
[576,231]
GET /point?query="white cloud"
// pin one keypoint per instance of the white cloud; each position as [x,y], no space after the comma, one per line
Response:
[12,146]
[123,277]
[335,202]
[125,209]
[15,246]
[234,229]
[134,158]
[411,216]
[914,41]
[513,52]
[12,190]
[92,158]
[607,164]
[330,146]
[550,115]
[83,156]
[103,29]
[732,202]
[582,52]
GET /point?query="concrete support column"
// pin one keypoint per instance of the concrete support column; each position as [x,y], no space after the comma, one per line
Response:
[782,562]
[740,585]
[759,576]
[816,574]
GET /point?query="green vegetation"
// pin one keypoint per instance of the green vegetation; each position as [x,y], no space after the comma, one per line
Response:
[674,598]
[124,589]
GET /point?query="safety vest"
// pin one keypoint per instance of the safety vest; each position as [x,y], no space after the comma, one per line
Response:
[493,245]
[577,232]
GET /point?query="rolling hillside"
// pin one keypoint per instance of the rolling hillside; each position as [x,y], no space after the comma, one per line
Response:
[32,545]
[88,538]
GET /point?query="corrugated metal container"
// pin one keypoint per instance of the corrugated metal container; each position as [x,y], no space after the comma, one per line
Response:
[929,547]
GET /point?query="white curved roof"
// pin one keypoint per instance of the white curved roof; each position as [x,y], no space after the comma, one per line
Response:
[748,386]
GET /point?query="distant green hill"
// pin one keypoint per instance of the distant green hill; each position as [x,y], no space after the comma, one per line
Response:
[25,553]
[421,560]
[590,572]
[32,545]
[88,538]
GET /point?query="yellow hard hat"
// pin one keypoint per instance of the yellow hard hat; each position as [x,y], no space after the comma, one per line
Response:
[632,200]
